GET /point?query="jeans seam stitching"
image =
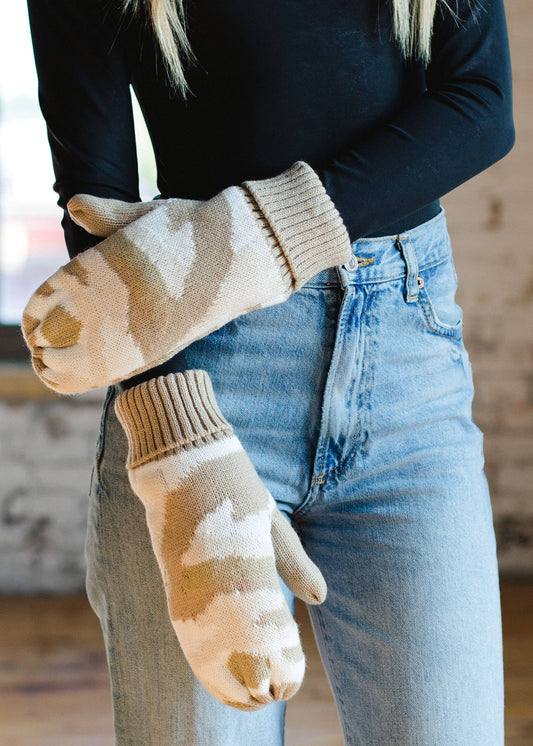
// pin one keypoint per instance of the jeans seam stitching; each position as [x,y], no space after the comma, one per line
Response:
[102,433]
[338,344]
[348,458]
[389,278]
[337,691]
[434,325]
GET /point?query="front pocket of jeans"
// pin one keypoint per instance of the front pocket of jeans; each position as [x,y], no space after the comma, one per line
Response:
[436,300]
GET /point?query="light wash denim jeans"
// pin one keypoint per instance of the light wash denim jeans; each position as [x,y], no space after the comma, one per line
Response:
[353,401]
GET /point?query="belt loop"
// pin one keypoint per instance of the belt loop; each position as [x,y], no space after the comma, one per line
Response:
[342,278]
[411,281]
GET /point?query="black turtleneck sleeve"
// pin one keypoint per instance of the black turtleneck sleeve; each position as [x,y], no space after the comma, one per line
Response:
[461,125]
[84,74]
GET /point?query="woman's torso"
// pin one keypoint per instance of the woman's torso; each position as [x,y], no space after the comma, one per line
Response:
[275,82]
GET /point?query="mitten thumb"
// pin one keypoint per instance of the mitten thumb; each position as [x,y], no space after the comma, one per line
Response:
[103,216]
[298,571]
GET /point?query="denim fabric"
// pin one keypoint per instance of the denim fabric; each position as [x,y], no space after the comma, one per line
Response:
[353,401]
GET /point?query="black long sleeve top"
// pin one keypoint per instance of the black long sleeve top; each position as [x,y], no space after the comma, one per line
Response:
[316,80]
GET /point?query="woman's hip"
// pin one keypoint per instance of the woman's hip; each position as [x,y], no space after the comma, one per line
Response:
[374,348]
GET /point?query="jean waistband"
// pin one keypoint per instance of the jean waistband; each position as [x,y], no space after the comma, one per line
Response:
[384,258]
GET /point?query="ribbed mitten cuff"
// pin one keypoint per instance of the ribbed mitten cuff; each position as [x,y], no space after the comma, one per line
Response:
[168,413]
[304,220]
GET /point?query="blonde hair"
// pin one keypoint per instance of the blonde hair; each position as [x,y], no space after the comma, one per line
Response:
[412,26]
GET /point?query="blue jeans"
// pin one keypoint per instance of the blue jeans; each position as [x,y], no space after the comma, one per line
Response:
[353,401]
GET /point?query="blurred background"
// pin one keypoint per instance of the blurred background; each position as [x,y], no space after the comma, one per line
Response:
[53,677]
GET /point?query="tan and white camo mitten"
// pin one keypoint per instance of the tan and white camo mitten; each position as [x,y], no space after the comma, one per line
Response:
[220,542]
[177,273]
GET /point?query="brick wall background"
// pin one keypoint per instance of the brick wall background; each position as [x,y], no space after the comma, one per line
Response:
[47,446]
[46,459]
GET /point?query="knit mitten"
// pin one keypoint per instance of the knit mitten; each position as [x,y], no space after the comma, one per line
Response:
[220,542]
[176,274]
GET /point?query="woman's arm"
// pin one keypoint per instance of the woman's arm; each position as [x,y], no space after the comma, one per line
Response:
[83,73]
[460,126]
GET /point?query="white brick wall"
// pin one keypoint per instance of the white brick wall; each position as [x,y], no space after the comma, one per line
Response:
[46,455]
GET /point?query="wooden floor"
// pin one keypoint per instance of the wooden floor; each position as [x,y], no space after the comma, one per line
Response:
[54,689]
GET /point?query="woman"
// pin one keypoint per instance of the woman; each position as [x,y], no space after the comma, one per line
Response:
[352,397]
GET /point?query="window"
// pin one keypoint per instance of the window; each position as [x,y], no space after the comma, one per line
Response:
[32,245]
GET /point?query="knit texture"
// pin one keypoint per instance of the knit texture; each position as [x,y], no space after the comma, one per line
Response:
[219,540]
[174,274]
[169,413]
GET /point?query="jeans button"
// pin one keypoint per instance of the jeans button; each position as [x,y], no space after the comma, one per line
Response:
[351,265]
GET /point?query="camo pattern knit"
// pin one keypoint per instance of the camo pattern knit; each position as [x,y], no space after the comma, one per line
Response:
[176,274]
[220,542]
